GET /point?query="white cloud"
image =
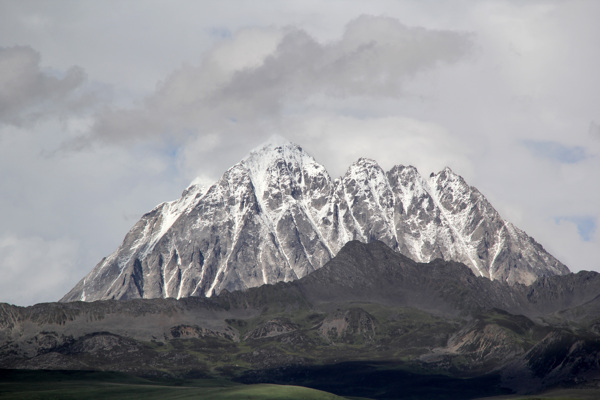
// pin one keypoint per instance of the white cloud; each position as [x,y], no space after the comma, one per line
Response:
[338,141]
[94,195]
[35,269]
[563,238]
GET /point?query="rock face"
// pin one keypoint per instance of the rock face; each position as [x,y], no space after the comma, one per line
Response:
[277,216]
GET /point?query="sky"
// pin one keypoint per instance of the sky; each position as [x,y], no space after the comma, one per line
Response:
[110,108]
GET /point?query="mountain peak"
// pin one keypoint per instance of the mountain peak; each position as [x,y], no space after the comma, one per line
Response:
[446,174]
[364,169]
[278,216]
[275,143]
[366,161]
[281,164]
[449,179]
[276,149]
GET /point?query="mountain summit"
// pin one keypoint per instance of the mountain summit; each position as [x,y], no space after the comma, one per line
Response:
[277,216]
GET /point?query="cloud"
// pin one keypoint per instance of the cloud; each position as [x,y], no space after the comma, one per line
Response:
[258,76]
[27,93]
[63,212]
[594,130]
[556,151]
[573,240]
[35,269]
[586,226]
[337,141]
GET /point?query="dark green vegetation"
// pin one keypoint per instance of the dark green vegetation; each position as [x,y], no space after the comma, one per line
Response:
[557,394]
[31,385]
[370,324]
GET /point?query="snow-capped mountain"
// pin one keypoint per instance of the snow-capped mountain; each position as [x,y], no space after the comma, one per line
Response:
[277,216]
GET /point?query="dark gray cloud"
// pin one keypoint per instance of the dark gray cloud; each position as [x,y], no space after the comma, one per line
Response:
[27,93]
[373,58]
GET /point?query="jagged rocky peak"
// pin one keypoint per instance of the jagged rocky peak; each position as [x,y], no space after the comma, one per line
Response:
[366,178]
[277,216]
[365,193]
[282,172]
[453,190]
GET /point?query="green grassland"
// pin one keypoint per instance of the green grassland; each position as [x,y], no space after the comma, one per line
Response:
[32,385]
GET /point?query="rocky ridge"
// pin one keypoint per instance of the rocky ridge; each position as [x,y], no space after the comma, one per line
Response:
[277,216]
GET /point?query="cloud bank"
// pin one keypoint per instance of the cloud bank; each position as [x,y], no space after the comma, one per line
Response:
[28,93]
[248,83]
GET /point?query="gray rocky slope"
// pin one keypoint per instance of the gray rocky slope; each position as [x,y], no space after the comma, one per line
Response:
[277,216]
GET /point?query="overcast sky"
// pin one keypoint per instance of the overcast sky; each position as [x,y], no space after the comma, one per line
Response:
[108,108]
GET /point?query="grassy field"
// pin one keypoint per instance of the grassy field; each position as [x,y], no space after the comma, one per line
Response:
[32,385]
